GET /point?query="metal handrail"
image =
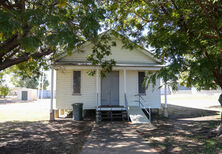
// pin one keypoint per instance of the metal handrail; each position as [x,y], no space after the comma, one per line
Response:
[142,106]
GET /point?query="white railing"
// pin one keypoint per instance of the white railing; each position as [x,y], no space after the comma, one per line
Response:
[126,105]
[97,101]
[97,107]
[142,106]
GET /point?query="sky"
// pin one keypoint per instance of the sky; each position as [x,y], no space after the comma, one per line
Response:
[48,74]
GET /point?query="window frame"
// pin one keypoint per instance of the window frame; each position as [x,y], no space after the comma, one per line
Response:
[80,83]
[144,93]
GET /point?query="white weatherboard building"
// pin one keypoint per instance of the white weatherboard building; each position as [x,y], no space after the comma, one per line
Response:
[26,94]
[118,91]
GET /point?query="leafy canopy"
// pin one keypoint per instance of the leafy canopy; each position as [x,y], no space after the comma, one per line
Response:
[30,30]
[185,34]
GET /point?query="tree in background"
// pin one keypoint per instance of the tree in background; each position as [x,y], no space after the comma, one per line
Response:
[28,74]
[30,82]
[4,90]
[1,77]
[185,34]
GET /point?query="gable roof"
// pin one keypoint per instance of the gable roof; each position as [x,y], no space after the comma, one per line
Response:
[112,32]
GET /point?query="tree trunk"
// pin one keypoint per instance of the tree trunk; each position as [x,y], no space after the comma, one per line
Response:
[219,128]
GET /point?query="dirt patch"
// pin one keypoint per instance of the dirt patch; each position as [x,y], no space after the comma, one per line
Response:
[187,130]
[61,136]
[115,138]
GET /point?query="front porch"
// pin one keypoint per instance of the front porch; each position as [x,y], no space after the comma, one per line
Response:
[93,93]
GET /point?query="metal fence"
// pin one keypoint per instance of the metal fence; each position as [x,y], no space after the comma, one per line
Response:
[46,94]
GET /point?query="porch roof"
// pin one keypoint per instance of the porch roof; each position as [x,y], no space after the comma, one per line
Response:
[120,64]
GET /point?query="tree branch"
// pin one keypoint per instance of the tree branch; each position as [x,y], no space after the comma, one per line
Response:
[12,42]
[211,36]
[213,8]
[174,4]
[9,44]
[11,54]
[144,19]
[24,58]
[23,5]
[209,18]
[6,6]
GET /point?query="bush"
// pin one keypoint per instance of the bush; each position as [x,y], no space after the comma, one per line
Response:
[4,91]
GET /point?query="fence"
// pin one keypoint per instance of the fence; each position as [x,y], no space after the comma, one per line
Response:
[46,94]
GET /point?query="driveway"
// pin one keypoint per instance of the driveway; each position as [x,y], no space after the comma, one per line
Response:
[115,138]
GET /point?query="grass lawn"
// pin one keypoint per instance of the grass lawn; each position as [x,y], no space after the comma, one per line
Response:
[187,130]
[29,111]
[192,100]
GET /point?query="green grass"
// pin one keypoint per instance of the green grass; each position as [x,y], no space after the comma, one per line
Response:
[24,112]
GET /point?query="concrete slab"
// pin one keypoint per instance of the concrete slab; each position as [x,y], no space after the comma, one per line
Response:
[137,116]
[115,138]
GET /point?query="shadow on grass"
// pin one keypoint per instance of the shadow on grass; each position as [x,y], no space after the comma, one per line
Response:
[59,136]
[185,131]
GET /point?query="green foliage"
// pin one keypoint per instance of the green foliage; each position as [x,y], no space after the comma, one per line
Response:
[4,90]
[185,34]
[27,74]
[102,49]
[32,82]
[1,78]
[34,29]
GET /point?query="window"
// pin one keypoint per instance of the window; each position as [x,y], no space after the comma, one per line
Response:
[141,88]
[76,82]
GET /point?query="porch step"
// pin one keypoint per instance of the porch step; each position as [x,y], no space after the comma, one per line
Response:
[111,115]
[137,116]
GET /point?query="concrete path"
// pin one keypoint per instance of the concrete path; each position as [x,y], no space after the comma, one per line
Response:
[115,138]
[137,116]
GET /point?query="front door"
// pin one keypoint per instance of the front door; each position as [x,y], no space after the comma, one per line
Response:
[24,95]
[110,89]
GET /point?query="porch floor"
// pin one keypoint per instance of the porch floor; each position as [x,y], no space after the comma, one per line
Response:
[113,106]
[110,108]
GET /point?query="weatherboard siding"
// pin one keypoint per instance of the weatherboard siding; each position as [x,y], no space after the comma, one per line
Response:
[119,54]
[65,98]
[64,87]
